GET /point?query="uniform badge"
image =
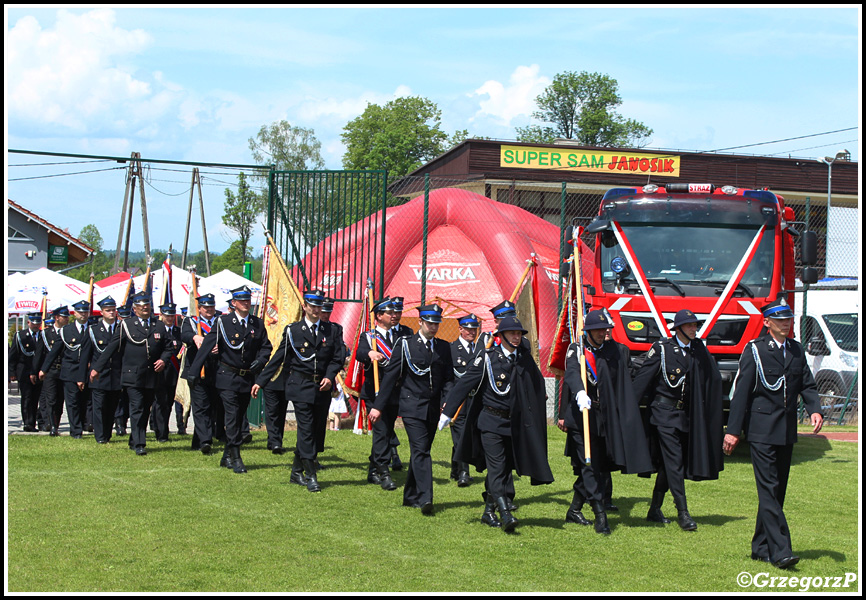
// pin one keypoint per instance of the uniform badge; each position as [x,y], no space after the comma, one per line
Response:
[678,370]
[502,376]
[673,377]
[477,361]
[570,353]
[306,344]
[651,352]
[156,336]
[101,342]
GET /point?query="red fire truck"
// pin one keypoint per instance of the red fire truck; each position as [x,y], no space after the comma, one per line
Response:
[722,252]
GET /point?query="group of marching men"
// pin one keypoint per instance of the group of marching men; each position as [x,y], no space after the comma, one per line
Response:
[486,386]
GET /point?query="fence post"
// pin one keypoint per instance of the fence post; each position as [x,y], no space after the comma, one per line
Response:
[384,182]
[424,249]
[848,398]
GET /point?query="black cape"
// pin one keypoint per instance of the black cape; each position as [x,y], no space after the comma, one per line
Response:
[703,459]
[528,418]
[618,415]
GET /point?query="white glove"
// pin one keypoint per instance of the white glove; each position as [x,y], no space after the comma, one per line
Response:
[443,421]
[583,400]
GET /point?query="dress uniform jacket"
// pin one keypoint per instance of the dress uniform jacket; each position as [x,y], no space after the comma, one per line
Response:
[305,361]
[69,351]
[139,346]
[243,352]
[49,337]
[96,340]
[22,355]
[462,358]
[188,330]
[420,376]
[770,415]
[362,354]
[516,389]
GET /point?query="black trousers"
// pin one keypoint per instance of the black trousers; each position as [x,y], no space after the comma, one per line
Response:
[457,426]
[419,478]
[276,408]
[593,479]
[162,408]
[52,392]
[772,465]
[121,414]
[140,401]
[235,405]
[104,407]
[203,400]
[76,407]
[312,419]
[383,431]
[29,397]
[673,444]
[499,455]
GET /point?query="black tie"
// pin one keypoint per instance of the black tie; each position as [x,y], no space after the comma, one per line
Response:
[315,330]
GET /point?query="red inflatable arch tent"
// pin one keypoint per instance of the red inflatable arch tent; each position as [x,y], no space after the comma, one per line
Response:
[477,250]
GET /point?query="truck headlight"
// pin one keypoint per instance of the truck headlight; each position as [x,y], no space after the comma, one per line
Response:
[849,359]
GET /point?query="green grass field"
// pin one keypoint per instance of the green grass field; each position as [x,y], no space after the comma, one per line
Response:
[89,518]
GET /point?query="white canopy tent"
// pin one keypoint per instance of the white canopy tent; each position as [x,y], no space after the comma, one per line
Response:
[25,292]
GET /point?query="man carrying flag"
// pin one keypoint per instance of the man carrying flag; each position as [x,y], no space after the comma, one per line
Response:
[203,394]
[377,345]
[616,432]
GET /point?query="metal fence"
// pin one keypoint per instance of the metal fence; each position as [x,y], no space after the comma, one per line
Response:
[316,216]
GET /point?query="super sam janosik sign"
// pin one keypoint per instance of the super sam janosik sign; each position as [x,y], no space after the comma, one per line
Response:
[574,159]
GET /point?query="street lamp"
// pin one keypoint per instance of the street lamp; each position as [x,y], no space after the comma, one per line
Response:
[827,160]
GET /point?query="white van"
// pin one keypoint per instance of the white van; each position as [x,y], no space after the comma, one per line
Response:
[829,333]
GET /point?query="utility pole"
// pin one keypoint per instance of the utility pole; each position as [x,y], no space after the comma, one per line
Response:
[133,174]
[196,184]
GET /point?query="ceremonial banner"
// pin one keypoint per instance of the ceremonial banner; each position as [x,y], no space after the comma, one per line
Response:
[281,299]
[527,311]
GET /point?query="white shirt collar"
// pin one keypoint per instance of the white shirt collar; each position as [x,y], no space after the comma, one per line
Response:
[310,323]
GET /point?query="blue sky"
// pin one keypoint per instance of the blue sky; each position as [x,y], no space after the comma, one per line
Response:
[196,84]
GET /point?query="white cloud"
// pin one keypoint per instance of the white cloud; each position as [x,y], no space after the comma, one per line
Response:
[505,102]
[70,76]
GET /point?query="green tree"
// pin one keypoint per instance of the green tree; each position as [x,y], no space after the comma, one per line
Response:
[287,147]
[241,210]
[398,137]
[232,259]
[582,107]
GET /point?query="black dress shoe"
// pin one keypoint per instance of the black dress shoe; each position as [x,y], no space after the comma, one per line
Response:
[205,448]
[54,432]
[463,479]
[101,441]
[162,440]
[610,506]
[278,450]
[575,516]
[29,429]
[760,558]
[141,451]
[247,439]
[787,562]
[427,508]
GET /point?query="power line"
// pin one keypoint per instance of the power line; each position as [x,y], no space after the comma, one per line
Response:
[64,174]
[785,140]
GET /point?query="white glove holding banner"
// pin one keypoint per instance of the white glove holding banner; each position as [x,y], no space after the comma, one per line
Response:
[583,401]
[443,421]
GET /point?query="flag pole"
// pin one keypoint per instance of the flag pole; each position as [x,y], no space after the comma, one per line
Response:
[576,231]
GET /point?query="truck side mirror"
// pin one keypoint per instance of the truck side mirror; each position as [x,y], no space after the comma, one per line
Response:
[809,275]
[809,248]
[817,347]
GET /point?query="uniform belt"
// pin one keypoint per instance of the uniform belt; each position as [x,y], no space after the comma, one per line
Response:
[670,402]
[505,414]
[241,372]
[314,377]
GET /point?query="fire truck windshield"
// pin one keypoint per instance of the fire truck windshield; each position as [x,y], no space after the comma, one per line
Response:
[689,257]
